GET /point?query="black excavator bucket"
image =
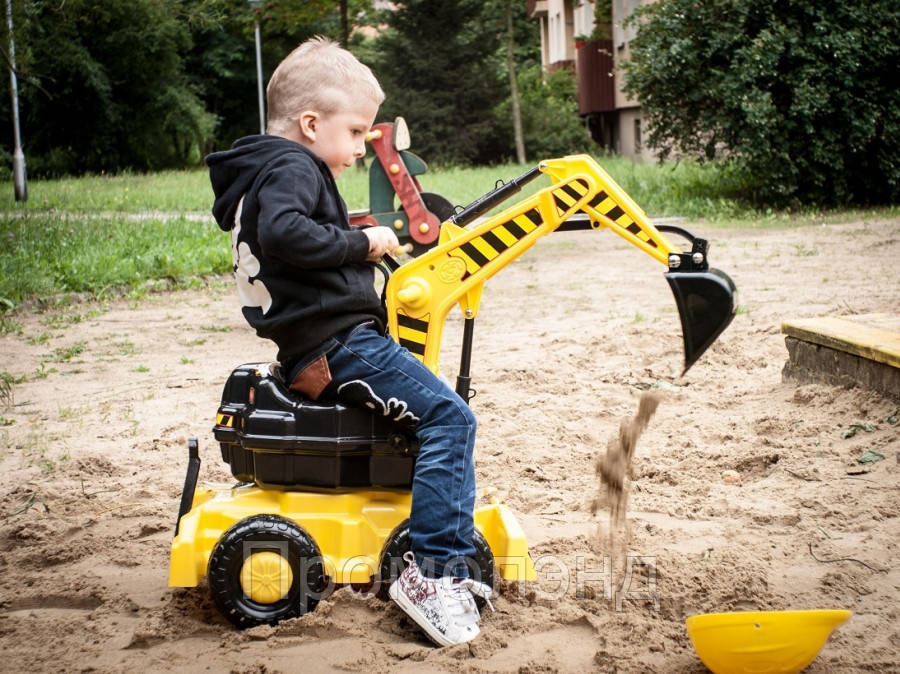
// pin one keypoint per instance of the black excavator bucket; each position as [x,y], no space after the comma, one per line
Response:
[706,306]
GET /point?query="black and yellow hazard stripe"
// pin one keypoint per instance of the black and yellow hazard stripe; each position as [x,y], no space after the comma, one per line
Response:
[226,420]
[412,332]
[606,205]
[566,194]
[477,252]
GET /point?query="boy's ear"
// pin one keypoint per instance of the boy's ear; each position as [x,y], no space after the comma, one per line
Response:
[308,123]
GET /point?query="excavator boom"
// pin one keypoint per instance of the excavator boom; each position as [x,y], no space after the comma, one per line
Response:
[470,250]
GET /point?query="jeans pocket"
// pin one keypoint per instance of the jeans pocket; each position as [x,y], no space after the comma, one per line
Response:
[312,379]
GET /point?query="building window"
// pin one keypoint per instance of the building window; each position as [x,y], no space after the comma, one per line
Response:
[637,136]
[584,17]
[622,9]
[555,29]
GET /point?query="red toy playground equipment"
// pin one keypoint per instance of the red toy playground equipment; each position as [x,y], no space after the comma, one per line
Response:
[418,219]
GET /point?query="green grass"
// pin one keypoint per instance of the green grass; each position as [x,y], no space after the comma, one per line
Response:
[686,189]
[45,255]
[84,235]
[67,353]
[166,191]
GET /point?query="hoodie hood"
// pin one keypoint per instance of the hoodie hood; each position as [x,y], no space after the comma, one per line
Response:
[232,172]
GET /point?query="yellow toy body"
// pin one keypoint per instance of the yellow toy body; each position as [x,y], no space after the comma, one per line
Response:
[350,528]
[317,509]
[423,291]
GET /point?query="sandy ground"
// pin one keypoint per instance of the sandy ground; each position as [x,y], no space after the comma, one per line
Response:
[93,453]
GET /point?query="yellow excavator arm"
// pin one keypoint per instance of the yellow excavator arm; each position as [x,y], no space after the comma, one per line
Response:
[421,292]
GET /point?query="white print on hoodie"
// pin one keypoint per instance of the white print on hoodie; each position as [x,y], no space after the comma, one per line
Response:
[252,293]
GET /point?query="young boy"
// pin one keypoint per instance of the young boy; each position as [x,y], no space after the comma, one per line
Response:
[306,281]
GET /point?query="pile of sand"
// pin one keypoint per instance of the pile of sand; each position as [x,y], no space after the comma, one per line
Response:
[568,341]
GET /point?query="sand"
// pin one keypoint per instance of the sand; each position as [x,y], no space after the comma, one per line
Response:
[615,472]
[744,493]
[614,466]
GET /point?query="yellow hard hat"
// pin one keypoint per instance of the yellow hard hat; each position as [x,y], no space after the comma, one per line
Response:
[774,642]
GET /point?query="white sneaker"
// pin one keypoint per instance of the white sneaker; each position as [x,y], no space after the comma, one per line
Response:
[444,607]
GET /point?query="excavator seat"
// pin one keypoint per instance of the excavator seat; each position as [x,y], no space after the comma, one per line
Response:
[273,437]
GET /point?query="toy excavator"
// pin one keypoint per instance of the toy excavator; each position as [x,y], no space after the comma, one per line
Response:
[323,496]
[418,220]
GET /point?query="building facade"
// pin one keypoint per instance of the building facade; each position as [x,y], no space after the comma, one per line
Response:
[570,39]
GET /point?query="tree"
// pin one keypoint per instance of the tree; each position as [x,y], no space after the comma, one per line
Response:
[801,94]
[551,126]
[222,60]
[149,84]
[550,123]
[436,65]
[514,86]
[519,42]
[105,87]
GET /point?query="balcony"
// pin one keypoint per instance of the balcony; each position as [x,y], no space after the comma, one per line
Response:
[536,8]
[595,69]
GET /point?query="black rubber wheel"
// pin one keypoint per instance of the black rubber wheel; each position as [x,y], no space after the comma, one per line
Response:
[481,568]
[442,208]
[264,569]
[438,205]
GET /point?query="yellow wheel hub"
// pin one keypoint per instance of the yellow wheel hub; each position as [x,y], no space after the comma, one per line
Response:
[266,577]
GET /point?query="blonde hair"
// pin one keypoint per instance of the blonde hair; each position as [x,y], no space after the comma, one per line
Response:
[318,75]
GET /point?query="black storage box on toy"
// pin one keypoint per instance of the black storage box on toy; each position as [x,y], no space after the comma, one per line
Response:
[277,439]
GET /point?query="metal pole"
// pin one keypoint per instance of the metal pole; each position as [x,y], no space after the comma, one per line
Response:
[19,180]
[259,81]
[463,380]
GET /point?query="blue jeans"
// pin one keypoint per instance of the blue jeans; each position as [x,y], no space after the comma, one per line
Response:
[371,370]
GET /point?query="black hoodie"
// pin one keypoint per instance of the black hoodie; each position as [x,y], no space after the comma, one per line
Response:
[300,268]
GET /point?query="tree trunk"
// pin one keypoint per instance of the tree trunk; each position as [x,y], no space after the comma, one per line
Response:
[514,86]
[345,24]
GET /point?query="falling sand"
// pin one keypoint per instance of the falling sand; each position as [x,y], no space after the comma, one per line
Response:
[614,467]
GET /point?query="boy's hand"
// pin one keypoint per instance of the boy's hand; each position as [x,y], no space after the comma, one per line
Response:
[381,240]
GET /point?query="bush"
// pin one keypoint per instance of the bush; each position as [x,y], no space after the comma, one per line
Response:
[551,125]
[800,95]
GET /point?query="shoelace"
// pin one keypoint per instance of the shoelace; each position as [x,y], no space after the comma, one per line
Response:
[479,590]
[415,577]
[459,602]
[461,590]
